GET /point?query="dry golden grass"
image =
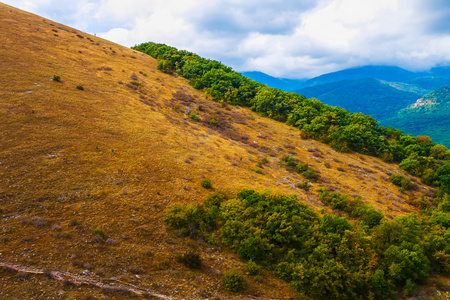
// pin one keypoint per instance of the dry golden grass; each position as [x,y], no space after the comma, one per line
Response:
[116,154]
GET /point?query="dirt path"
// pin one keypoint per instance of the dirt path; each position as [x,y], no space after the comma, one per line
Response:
[121,287]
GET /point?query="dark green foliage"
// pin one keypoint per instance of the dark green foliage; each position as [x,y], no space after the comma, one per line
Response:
[301,167]
[257,171]
[440,218]
[311,174]
[99,232]
[325,257]
[233,281]
[335,200]
[289,160]
[193,116]
[367,214]
[443,173]
[191,260]
[79,87]
[256,225]
[56,78]
[215,199]
[252,268]
[303,185]
[408,288]
[206,183]
[191,220]
[444,203]
[213,122]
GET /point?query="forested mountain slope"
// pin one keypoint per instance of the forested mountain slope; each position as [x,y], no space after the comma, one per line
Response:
[428,115]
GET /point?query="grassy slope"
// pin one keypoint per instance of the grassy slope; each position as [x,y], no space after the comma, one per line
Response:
[115,155]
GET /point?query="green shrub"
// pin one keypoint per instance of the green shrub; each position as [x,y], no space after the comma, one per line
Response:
[301,167]
[396,179]
[213,122]
[444,203]
[401,182]
[257,171]
[409,286]
[56,78]
[191,260]
[252,268]
[193,116]
[303,185]
[289,160]
[206,183]
[79,87]
[215,199]
[164,66]
[233,281]
[423,202]
[191,220]
[311,174]
[99,232]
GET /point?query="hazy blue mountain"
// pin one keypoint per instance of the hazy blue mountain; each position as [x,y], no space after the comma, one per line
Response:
[279,83]
[370,96]
[430,83]
[441,71]
[387,73]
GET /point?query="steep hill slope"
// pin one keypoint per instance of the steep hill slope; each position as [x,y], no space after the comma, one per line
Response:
[111,156]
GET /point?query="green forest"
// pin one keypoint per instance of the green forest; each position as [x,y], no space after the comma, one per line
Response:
[360,255]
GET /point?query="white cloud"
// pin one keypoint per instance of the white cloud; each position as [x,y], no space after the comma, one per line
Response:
[283,38]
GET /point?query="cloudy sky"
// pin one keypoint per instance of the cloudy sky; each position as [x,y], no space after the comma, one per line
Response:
[284,38]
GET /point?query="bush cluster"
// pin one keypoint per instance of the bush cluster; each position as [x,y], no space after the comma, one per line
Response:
[233,281]
[206,183]
[325,257]
[191,260]
[252,268]
[354,208]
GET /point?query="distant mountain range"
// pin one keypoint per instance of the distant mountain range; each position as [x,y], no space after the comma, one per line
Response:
[279,83]
[388,93]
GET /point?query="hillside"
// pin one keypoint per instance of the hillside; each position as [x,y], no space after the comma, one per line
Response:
[88,173]
[429,115]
